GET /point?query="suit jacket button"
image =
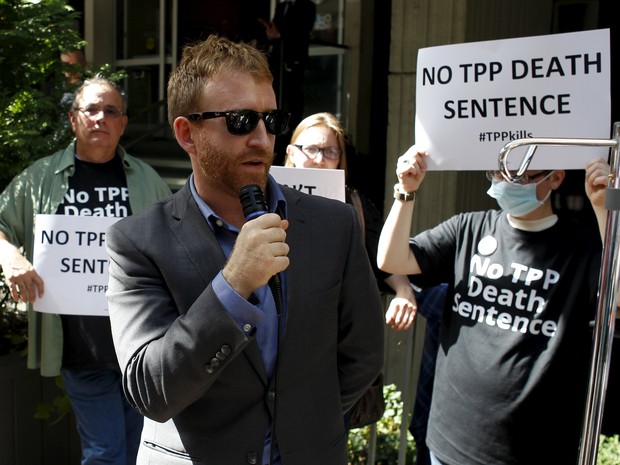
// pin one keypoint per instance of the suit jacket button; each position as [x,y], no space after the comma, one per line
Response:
[209,369]
[226,349]
[271,395]
[252,458]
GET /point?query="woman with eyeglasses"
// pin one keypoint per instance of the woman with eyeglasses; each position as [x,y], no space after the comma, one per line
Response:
[319,142]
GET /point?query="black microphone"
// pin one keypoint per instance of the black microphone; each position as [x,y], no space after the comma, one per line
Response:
[254,205]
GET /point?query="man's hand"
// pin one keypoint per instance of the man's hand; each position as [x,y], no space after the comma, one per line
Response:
[259,253]
[24,283]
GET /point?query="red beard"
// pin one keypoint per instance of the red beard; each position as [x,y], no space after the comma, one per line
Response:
[220,167]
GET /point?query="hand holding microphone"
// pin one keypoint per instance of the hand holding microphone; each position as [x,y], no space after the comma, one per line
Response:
[260,251]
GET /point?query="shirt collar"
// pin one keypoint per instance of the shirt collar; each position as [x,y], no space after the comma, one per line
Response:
[277,203]
[69,154]
[533,225]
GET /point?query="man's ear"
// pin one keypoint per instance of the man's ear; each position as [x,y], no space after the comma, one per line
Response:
[183,133]
[124,121]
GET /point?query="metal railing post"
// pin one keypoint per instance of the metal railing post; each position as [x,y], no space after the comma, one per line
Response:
[608,282]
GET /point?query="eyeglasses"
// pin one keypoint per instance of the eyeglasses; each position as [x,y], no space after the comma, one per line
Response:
[242,122]
[108,112]
[311,151]
[525,179]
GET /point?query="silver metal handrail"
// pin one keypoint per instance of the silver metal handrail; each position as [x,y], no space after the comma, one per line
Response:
[533,144]
[608,281]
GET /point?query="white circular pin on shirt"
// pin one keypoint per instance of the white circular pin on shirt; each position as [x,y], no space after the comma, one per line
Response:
[487,245]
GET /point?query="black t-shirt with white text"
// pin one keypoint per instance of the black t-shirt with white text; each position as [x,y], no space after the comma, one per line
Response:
[515,341]
[95,189]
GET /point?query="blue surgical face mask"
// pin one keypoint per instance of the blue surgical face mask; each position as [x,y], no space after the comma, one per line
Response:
[517,199]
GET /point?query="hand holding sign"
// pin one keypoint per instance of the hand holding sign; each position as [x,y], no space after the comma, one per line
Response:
[411,169]
[69,253]
[23,281]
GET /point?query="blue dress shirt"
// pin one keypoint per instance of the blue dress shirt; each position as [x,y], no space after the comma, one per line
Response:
[259,311]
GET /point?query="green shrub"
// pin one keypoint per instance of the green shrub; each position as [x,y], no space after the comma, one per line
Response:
[388,434]
[32,121]
[608,450]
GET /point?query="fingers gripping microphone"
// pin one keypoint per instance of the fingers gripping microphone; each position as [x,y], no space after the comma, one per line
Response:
[254,205]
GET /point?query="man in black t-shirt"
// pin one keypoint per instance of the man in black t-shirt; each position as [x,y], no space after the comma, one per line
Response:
[93,176]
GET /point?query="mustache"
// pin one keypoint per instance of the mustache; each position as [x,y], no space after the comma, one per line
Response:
[258,155]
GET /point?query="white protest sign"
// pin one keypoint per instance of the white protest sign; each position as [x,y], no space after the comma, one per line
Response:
[70,256]
[315,181]
[473,98]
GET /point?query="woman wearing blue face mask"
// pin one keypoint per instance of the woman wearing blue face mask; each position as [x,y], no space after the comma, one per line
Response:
[523,197]
[514,345]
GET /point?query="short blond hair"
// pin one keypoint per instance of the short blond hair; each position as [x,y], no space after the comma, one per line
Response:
[202,61]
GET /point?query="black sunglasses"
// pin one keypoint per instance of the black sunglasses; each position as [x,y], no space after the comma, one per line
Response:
[242,122]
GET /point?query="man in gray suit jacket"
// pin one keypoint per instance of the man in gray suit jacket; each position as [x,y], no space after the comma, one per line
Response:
[224,370]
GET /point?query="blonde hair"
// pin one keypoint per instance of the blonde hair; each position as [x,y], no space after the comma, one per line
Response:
[204,60]
[332,123]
